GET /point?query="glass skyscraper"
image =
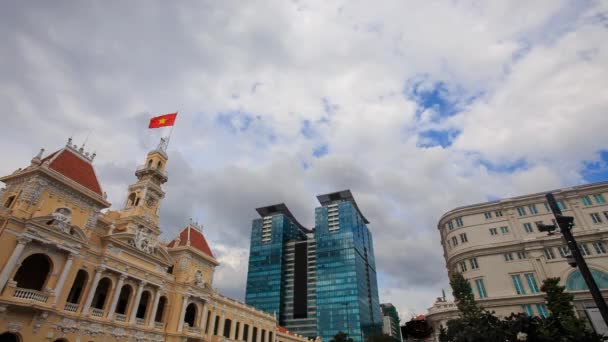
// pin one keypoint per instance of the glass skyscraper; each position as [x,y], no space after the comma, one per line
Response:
[317,282]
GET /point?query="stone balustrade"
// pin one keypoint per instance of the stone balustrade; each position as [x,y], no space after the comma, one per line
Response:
[29,294]
[71,307]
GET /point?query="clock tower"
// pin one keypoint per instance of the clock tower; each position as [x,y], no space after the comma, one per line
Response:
[144,196]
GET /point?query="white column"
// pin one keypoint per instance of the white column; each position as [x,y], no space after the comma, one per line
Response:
[140,290]
[232,331]
[268,331]
[117,289]
[212,323]
[220,330]
[241,331]
[154,309]
[250,332]
[259,337]
[87,303]
[182,315]
[12,261]
[64,274]
[203,318]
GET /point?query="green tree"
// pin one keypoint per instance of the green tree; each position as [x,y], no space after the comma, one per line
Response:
[461,289]
[341,337]
[417,328]
[380,338]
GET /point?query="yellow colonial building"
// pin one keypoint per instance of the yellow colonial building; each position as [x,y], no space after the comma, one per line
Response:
[72,270]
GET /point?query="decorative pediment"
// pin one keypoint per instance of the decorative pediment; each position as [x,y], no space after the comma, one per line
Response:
[59,223]
[142,245]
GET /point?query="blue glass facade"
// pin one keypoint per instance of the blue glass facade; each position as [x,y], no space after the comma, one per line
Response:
[266,274]
[347,289]
[320,284]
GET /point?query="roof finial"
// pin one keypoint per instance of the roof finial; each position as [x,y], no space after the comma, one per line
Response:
[69,142]
[38,158]
[93,155]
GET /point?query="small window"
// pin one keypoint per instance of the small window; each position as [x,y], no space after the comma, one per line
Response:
[532,209]
[517,283]
[542,310]
[493,231]
[474,264]
[596,218]
[521,255]
[508,256]
[564,251]
[600,247]
[150,163]
[504,230]
[527,308]
[528,228]
[454,241]
[481,289]
[561,205]
[606,214]
[586,200]
[463,266]
[547,207]
[498,213]
[532,285]
[450,225]
[159,165]
[599,198]
[463,238]
[487,215]
[549,253]
[9,201]
[583,248]
[521,211]
[459,222]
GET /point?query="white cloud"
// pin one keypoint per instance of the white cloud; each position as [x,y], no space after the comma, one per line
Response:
[538,70]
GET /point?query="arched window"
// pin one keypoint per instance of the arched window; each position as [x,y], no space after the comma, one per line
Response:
[576,282]
[137,201]
[143,305]
[34,272]
[123,299]
[79,283]
[131,199]
[190,316]
[150,163]
[227,326]
[9,337]
[159,165]
[160,312]
[216,326]
[101,293]
[9,201]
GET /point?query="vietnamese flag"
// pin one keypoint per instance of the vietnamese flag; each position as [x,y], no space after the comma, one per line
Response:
[163,120]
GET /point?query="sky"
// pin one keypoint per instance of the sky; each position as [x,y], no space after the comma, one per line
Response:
[417,107]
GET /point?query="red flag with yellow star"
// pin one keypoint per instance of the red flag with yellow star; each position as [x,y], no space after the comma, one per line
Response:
[163,120]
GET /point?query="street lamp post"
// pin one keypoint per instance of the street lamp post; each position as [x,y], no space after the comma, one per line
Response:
[565,223]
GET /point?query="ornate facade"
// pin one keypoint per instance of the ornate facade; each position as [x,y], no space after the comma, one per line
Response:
[73,270]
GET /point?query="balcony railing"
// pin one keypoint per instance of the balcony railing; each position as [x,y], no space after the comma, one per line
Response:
[30,294]
[151,168]
[159,325]
[121,318]
[96,312]
[71,307]
[140,321]
[195,330]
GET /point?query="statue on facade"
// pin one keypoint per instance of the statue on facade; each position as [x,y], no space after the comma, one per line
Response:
[143,241]
[198,279]
[61,220]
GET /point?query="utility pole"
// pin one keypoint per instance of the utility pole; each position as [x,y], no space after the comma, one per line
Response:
[565,224]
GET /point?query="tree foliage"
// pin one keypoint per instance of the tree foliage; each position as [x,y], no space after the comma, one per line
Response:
[417,328]
[477,324]
[380,338]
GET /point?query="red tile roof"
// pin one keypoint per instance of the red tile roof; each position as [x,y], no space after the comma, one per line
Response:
[197,240]
[75,168]
[284,330]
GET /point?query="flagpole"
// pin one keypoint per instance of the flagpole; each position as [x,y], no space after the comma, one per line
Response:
[170,133]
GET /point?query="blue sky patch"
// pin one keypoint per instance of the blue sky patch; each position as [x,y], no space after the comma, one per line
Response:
[235,121]
[510,167]
[432,138]
[320,151]
[597,170]
[307,130]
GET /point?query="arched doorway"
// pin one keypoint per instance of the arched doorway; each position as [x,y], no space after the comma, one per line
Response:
[77,287]
[160,312]
[101,293]
[190,316]
[143,305]
[123,299]
[9,337]
[33,272]
[575,281]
